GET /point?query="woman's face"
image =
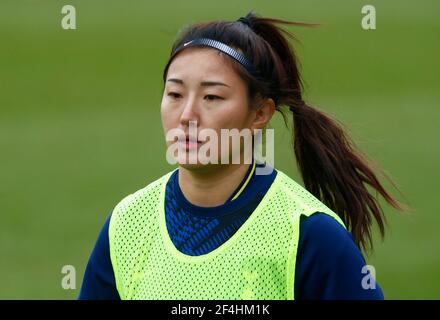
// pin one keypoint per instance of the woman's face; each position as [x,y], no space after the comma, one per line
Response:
[200,86]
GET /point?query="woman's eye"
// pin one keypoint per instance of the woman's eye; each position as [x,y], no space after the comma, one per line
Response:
[211,97]
[174,95]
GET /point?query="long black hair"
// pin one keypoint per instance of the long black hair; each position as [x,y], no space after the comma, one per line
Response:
[331,167]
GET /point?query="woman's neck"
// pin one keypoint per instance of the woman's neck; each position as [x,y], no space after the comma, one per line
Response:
[211,186]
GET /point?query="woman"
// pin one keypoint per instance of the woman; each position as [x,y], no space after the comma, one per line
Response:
[221,231]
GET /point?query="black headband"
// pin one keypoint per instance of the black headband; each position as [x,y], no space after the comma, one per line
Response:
[223,48]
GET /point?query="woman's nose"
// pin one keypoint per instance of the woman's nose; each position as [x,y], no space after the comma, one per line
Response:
[189,112]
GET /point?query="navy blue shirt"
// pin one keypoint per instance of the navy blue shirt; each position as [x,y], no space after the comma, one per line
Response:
[328,264]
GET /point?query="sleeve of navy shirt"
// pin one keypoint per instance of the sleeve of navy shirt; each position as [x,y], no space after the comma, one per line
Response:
[328,265]
[99,280]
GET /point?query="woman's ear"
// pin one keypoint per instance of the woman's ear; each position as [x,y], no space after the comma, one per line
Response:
[263,113]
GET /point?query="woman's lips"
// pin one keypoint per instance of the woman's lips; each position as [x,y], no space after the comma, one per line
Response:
[189,144]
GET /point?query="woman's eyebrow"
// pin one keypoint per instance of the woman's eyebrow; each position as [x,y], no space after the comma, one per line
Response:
[213,83]
[176,80]
[202,84]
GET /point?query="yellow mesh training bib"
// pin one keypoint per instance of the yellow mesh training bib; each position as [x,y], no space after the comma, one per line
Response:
[256,263]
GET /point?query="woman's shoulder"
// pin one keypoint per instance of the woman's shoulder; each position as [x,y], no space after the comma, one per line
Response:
[329,263]
[325,238]
[322,227]
[325,243]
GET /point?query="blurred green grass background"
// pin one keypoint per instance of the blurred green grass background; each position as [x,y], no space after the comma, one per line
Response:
[80,124]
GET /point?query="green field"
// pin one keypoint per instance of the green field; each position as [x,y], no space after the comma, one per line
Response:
[80,124]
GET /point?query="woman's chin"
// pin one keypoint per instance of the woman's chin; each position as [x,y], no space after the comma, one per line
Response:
[201,167]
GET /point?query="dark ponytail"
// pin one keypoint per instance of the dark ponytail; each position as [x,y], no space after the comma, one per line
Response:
[335,172]
[331,167]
